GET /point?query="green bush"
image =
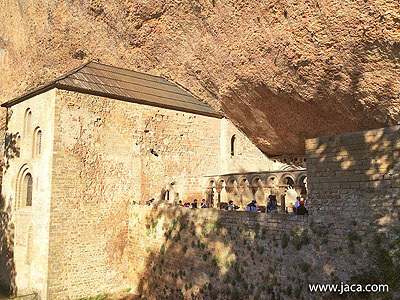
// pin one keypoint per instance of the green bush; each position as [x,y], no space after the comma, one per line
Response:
[285,240]
[305,267]
[162,249]
[216,260]
[381,266]
[301,240]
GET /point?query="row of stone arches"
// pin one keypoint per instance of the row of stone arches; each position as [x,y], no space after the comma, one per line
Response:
[242,188]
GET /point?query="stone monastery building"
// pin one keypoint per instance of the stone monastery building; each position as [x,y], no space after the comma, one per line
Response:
[85,147]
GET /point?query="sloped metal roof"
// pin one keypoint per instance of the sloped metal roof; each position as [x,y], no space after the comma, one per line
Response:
[122,84]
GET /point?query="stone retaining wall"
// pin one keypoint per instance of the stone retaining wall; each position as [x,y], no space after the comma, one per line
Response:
[181,253]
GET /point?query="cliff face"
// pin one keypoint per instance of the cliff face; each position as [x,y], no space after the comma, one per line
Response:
[282,71]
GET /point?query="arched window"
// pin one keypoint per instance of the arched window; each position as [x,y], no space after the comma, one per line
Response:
[27,189]
[27,122]
[37,142]
[233,145]
[288,181]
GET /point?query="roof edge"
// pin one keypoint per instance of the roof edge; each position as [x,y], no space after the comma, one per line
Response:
[135,100]
[41,89]
[35,92]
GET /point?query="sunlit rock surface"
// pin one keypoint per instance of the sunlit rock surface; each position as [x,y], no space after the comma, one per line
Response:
[282,71]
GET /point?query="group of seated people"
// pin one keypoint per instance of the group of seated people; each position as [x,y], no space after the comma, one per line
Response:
[272,206]
[194,204]
[299,207]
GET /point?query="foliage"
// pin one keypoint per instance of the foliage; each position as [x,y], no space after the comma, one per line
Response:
[305,267]
[213,227]
[216,260]
[382,267]
[162,249]
[301,240]
[285,240]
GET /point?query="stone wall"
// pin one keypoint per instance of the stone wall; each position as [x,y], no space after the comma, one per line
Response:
[245,158]
[109,154]
[97,174]
[28,226]
[181,253]
[177,253]
[356,176]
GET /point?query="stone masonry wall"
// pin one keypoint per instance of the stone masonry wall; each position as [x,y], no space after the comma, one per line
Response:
[97,174]
[27,229]
[247,157]
[181,253]
[109,154]
[354,181]
[356,176]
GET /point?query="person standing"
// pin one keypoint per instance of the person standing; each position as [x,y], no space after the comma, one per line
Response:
[296,203]
[272,206]
[194,204]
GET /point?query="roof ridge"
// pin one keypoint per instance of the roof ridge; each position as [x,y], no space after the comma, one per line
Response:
[73,71]
[120,68]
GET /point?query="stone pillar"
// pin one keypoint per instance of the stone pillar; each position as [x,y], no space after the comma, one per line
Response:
[283,206]
[223,194]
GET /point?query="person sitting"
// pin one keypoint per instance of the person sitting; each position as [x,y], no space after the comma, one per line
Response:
[297,202]
[272,206]
[301,210]
[194,204]
[230,205]
[252,206]
[203,203]
[293,213]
